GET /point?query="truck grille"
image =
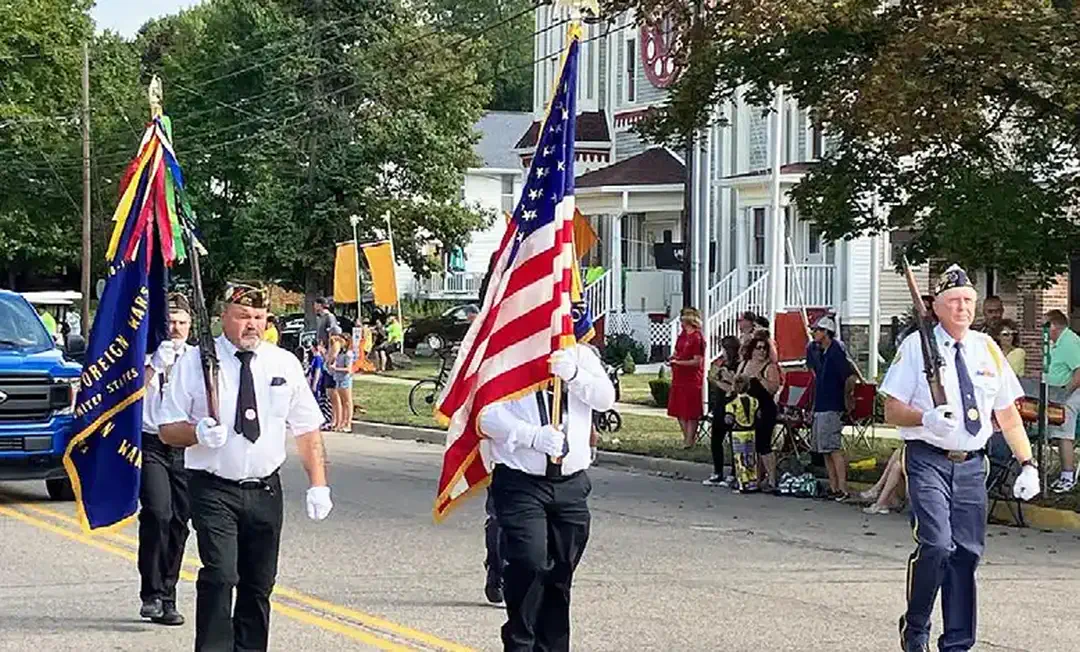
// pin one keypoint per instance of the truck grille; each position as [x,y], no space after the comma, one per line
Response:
[27,398]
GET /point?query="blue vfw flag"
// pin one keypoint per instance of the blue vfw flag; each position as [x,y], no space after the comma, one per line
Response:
[104,457]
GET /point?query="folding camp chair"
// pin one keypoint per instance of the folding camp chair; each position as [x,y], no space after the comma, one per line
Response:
[860,416]
[1001,477]
[795,416]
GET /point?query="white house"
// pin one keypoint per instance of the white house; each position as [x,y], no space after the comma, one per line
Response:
[495,186]
[635,196]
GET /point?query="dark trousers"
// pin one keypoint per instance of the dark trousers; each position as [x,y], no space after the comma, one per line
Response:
[163,518]
[716,443]
[493,541]
[948,514]
[545,523]
[238,530]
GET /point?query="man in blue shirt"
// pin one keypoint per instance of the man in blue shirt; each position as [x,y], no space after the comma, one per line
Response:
[826,358]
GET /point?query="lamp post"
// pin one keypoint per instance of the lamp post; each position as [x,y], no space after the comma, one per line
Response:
[355,220]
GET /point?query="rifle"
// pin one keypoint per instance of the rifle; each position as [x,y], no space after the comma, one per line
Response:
[932,361]
[207,349]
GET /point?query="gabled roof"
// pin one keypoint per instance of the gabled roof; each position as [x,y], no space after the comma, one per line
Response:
[590,127]
[654,166]
[498,132]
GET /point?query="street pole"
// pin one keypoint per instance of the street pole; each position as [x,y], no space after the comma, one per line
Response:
[85,287]
[397,290]
[777,268]
[354,220]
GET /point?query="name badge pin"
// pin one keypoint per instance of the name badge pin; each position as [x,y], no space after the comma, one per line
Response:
[249,414]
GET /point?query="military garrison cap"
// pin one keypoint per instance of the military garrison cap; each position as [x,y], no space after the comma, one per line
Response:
[953,278]
[249,294]
[179,301]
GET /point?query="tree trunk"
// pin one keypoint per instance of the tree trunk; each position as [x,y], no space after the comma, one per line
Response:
[311,292]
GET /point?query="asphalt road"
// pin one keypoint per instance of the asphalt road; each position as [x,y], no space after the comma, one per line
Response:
[672,566]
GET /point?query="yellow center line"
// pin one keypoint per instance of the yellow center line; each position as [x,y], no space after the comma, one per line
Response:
[308,618]
[360,617]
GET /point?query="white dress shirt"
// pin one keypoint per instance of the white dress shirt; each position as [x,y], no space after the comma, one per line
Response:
[996,385]
[155,393]
[509,425]
[283,399]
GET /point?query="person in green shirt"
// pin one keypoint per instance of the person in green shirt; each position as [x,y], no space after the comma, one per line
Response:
[1064,373]
[394,333]
[48,320]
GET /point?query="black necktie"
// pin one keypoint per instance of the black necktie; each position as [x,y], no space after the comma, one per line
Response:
[247,409]
[967,393]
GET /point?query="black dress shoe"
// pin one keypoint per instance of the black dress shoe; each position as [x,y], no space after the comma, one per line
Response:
[914,647]
[151,608]
[494,593]
[169,616]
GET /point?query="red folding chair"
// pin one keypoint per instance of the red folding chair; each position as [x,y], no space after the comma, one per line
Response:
[795,415]
[860,415]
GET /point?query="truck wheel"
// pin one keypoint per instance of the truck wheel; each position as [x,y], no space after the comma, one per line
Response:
[60,489]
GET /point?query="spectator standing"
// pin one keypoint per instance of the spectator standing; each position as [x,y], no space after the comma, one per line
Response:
[831,368]
[325,321]
[761,373]
[1064,373]
[271,333]
[1007,335]
[316,377]
[993,313]
[721,390]
[687,376]
[341,368]
[747,323]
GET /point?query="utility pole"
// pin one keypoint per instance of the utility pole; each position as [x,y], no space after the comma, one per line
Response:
[86,273]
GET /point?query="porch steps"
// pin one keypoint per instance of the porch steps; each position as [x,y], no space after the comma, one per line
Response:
[725,321]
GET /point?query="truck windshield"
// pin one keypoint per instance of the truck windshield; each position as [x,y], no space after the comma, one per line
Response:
[20,326]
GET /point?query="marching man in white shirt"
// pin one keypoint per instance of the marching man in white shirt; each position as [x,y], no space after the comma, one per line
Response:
[236,495]
[163,491]
[539,489]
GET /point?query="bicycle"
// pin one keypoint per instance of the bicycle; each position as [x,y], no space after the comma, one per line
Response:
[425,392]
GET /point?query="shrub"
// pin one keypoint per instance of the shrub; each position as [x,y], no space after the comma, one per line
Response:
[628,365]
[660,388]
[617,347]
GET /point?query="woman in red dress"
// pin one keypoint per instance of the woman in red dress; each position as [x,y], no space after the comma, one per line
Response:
[685,401]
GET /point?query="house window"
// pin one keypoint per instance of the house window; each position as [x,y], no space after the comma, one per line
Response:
[630,87]
[590,65]
[759,236]
[813,244]
[509,200]
[817,140]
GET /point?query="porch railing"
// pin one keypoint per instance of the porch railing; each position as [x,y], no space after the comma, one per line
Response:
[725,321]
[452,284]
[723,291]
[816,281]
[598,295]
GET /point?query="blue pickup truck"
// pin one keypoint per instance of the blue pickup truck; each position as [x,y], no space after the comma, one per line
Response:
[38,383]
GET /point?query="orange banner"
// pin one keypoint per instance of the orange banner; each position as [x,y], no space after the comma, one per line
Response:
[380,259]
[345,273]
[584,235]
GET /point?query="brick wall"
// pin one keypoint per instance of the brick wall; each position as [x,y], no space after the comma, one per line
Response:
[1028,307]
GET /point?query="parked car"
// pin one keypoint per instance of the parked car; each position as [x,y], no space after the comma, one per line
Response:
[38,384]
[447,328]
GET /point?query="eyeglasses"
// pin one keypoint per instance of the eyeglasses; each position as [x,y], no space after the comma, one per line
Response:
[761,347]
[1007,333]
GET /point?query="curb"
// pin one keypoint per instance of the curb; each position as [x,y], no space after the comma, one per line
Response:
[1046,518]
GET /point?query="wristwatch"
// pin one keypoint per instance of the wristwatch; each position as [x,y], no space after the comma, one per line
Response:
[1029,462]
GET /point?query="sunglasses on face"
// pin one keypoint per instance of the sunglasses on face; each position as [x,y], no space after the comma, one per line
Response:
[761,347]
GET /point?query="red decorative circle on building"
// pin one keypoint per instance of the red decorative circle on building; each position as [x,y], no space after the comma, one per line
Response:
[658,52]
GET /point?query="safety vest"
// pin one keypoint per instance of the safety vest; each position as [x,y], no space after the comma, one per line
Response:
[741,413]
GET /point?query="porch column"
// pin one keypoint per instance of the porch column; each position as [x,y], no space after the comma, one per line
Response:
[875,302]
[616,259]
[723,240]
[694,230]
[776,266]
[742,249]
[706,226]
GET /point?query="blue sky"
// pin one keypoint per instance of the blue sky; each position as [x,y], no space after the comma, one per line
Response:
[127,16]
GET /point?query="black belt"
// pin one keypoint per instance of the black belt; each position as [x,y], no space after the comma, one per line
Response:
[954,456]
[247,483]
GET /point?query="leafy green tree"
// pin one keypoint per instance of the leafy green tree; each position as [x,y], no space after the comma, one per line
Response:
[961,116]
[286,114]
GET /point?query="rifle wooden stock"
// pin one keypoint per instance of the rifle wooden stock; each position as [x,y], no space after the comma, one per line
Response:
[207,349]
[932,361]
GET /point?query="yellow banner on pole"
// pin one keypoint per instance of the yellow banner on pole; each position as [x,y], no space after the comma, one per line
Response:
[584,235]
[380,259]
[345,273]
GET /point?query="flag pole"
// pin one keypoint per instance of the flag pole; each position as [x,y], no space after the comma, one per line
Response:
[397,290]
[354,220]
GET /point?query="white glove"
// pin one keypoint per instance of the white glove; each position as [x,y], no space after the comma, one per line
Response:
[938,423]
[210,434]
[549,441]
[563,365]
[1027,484]
[165,356]
[318,503]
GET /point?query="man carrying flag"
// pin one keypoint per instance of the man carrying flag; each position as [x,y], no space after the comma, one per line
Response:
[505,409]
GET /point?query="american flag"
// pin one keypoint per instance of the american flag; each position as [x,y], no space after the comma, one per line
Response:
[526,312]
